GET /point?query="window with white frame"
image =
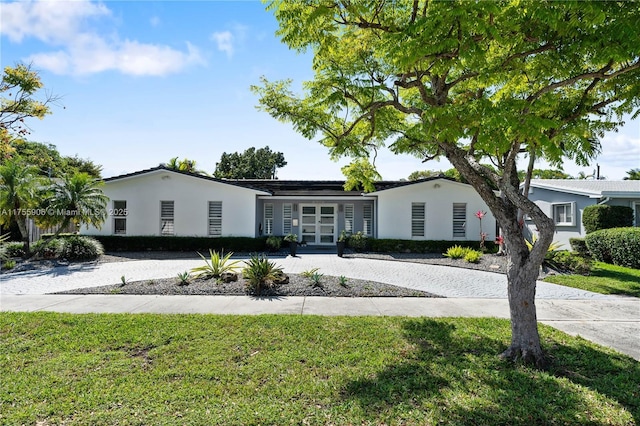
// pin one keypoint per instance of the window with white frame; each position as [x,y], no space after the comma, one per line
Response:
[417,219]
[215,219]
[166,218]
[459,220]
[367,218]
[348,218]
[287,209]
[268,219]
[120,217]
[564,214]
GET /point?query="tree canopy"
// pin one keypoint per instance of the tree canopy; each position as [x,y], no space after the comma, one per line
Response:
[633,174]
[475,82]
[18,101]
[251,164]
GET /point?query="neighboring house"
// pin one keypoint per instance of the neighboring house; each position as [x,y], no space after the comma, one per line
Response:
[161,201]
[564,200]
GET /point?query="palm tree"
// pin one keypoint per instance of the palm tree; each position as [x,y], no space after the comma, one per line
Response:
[78,198]
[633,174]
[184,165]
[19,190]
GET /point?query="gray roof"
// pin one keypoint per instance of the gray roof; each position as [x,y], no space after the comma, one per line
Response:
[591,188]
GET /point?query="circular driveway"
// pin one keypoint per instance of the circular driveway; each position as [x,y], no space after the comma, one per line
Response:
[436,279]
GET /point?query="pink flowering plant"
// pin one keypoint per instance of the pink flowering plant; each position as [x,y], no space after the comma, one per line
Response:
[483,235]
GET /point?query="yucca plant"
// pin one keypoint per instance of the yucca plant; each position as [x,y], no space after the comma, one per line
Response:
[259,273]
[218,264]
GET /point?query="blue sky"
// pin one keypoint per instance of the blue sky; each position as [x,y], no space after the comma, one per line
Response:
[143,81]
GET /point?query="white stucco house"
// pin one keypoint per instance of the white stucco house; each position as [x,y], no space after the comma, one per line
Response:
[564,200]
[161,201]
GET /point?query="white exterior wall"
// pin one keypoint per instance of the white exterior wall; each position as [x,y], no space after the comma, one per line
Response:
[394,211]
[191,195]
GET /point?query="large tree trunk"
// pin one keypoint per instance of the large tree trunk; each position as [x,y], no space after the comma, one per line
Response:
[523,265]
[522,273]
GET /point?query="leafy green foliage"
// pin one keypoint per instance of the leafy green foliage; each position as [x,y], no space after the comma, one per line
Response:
[218,264]
[308,273]
[251,164]
[579,245]
[566,261]
[274,243]
[342,280]
[534,239]
[9,264]
[603,216]
[291,238]
[384,245]
[78,247]
[184,165]
[174,243]
[358,241]
[291,369]
[633,174]
[619,246]
[457,252]
[50,162]
[184,278]
[18,89]
[473,256]
[13,249]
[51,248]
[260,273]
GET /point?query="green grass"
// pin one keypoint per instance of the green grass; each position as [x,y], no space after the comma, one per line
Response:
[245,370]
[605,279]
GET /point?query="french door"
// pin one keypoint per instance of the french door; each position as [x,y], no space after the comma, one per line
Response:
[318,223]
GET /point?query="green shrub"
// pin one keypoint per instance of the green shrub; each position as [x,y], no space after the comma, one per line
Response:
[579,246]
[9,264]
[385,245]
[14,249]
[172,243]
[618,246]
[79,247]
[274,243]
[457,252]
[564,260]
[473,256]
[216,266]
[358,241]
[260,273]
[602,216]
[51,248]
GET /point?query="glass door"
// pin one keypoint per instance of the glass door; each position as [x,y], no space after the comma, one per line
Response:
[318,223]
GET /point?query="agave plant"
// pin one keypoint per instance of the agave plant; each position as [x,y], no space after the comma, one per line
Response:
[259,273]
[218,264]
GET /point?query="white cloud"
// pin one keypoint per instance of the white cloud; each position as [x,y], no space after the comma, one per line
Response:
[227,41]
[81,50]
[224,40]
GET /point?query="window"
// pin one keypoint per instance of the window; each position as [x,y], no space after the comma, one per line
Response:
[417,219]
[287,208]
[348,218]
[166,218]
[119,217]
[215,219]
[564,214]
[367,217]
[268,219]
[459,220]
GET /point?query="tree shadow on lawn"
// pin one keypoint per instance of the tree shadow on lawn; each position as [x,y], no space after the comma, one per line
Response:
[630,281]
[454,375]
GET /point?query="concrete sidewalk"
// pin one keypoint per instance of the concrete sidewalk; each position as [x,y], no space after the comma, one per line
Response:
[614,323]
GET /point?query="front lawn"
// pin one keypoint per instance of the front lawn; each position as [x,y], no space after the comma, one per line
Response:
[605,279]
[284,369]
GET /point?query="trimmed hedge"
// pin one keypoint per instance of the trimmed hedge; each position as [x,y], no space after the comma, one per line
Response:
[202,244]
[602,216]
[579,246]
[619,246]
[423,246]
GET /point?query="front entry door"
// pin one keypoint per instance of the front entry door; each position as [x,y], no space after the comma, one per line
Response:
[318,223]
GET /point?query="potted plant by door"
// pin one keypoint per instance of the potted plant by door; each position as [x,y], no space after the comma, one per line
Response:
[292,239]
[342,242]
